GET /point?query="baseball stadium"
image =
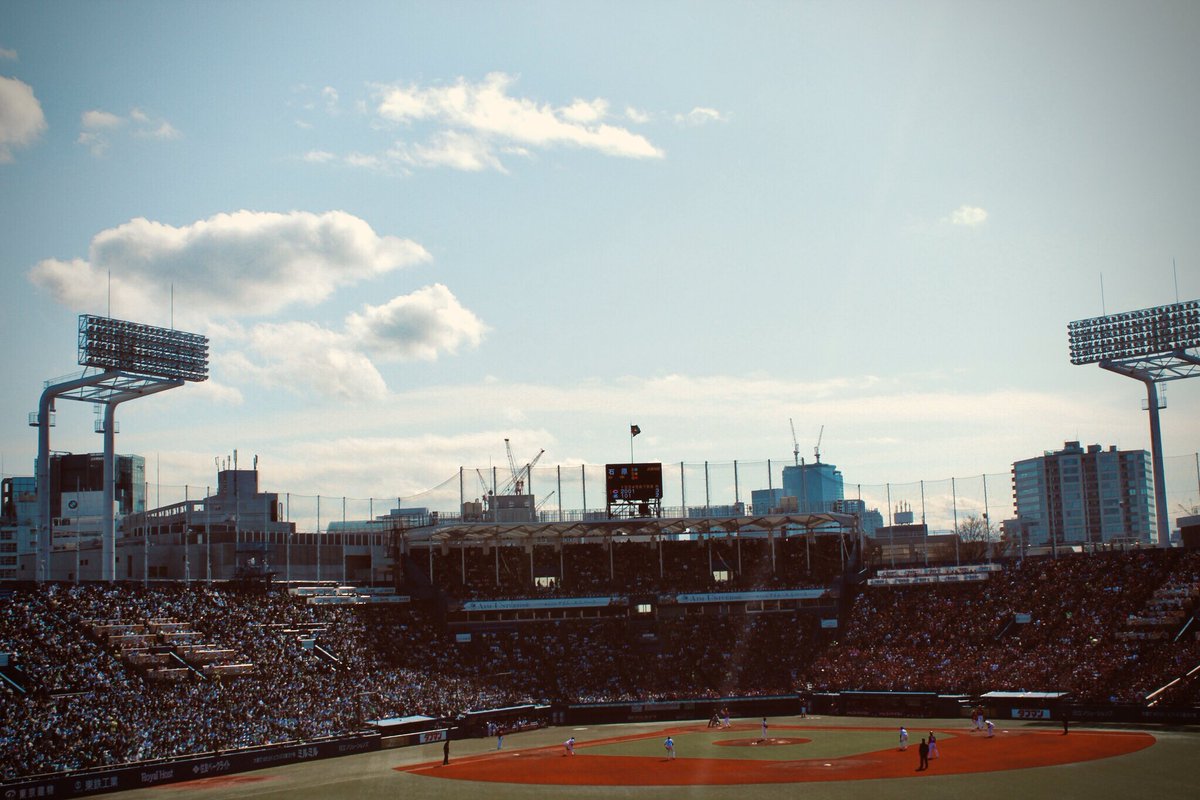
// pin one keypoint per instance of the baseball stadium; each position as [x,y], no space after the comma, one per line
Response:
[211,649]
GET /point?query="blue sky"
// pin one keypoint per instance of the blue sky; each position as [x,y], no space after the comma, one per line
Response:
[412,230]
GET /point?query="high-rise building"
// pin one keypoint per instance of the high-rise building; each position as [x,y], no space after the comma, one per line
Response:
[868,518]
[1074,496]
[816,487]
[763,500]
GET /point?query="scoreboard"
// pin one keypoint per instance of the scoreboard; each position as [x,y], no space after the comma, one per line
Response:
[633,483]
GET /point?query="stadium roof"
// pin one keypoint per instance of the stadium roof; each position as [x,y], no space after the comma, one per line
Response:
[651,527]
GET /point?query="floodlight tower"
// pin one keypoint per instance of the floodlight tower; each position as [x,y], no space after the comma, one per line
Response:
[133,360]
[1153,345]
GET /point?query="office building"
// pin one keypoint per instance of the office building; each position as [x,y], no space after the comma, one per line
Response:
[816,487]
[1078,496]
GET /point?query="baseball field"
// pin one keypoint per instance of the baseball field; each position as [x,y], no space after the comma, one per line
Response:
[816,757]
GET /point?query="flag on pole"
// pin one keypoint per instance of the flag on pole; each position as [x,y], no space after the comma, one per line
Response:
[634,430]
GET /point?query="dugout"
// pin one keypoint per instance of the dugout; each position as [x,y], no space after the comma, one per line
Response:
[1024,705]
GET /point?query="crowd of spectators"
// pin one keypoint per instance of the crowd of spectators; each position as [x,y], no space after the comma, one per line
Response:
[1073,624]
[1039,625]
[83,705]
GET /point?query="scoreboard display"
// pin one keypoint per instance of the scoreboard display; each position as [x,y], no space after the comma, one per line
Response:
[633,483]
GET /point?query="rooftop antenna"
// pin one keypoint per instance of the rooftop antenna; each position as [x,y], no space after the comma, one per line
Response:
[1176,271]
[817,449]
[1103,311]
[795,443]
[110,294]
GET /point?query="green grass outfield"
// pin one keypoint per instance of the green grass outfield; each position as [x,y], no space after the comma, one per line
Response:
[1168,770]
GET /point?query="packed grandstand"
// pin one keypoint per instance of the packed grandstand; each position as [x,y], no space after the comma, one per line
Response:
[109,673]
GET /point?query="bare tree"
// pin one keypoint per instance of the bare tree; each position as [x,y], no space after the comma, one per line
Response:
[974,535]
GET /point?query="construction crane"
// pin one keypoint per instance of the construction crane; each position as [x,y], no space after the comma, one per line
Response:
[795,443]
[483,484]
[512,463]
[817,449]
[527,471]
[516,484]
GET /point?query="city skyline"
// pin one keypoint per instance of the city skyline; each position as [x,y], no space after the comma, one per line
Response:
[418,230]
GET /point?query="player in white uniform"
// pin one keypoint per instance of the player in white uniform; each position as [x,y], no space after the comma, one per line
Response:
[903,738]
[669,744]
[569,746]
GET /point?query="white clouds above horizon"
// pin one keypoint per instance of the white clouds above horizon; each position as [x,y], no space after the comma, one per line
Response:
[97,127]
[417,326]
[245,263]
[470,126]
[304,358]
[968,216]
[8,54]
[308,359]
[700,116]
[21,118]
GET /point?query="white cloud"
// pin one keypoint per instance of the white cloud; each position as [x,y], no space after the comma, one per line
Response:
[21,117]
[472,121]
[455,149]
[584,111]
[98,126]
[969,216]
[305,358]
[636,115]
[250,264]
[330,96]
[218,393]
[247,263]
[319,157]
[700,116]
[8,55]
[97,119]
[309,359]
[419,325]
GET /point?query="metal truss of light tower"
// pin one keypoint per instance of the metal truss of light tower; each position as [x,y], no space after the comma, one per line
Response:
[1153,345]
[134,360]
